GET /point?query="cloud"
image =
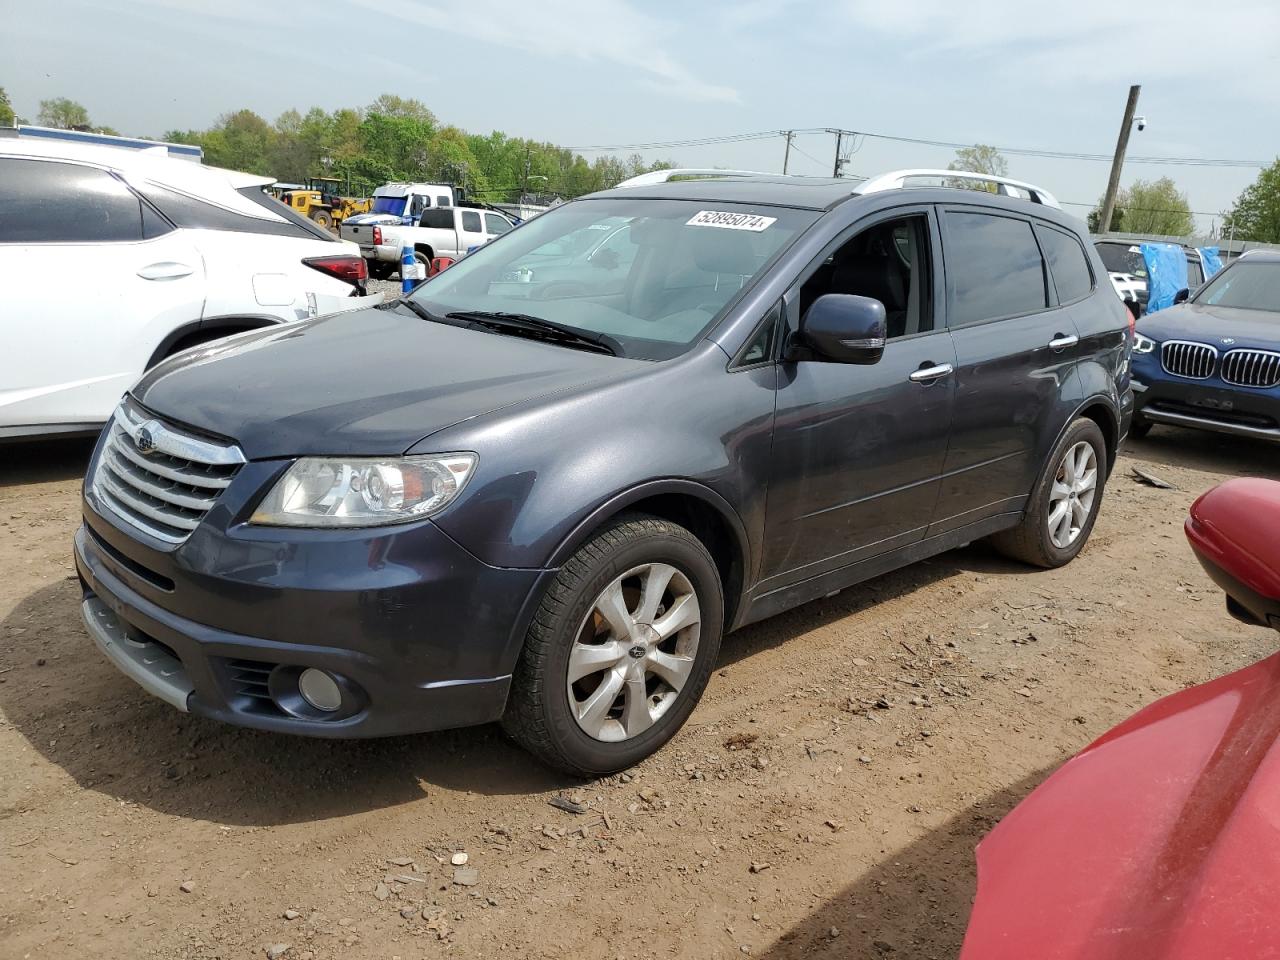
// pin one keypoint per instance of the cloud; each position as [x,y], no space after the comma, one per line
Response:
[1091,40]
[609,31]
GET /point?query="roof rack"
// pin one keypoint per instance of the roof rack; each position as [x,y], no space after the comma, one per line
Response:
[896,180]
[690,173]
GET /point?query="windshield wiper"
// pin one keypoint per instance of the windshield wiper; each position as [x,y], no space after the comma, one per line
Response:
[540,329]
[419,309]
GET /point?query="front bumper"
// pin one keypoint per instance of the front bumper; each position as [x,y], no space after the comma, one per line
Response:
[1209,404]
[422,635]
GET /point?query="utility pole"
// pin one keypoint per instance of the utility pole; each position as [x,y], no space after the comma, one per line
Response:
[839,143]
[1117,164]
[786,157]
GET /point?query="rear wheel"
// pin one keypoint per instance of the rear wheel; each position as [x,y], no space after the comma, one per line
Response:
[322,218]
[620,649]
[379,270]
[1065,502]
[1140,427]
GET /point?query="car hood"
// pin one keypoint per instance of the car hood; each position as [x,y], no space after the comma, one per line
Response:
[1159,840]
[368,382]
[1209,324]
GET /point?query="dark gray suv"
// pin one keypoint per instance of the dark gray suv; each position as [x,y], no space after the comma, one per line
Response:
[541,488]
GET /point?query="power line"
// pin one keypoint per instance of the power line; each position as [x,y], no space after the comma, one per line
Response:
[922,141]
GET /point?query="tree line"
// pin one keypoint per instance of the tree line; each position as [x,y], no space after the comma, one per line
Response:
[393,138]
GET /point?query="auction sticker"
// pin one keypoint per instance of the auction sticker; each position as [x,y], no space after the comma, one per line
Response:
[730,221]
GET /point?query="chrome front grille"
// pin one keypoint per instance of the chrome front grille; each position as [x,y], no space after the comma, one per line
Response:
[1184,358]
[160,479]
[1251,368]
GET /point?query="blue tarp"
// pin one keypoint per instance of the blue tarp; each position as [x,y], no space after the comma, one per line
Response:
[1212,262]
[1166,273]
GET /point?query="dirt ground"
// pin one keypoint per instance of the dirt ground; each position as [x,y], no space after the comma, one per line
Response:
[824,800]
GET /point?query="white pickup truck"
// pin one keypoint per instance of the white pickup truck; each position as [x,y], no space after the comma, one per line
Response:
[439,232]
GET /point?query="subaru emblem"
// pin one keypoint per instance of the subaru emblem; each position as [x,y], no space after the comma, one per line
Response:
[144,441]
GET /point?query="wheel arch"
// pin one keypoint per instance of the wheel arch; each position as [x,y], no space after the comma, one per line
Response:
[221,325]
[1102,412]
[699,509]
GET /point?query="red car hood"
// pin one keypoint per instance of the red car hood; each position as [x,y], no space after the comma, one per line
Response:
[1160,840]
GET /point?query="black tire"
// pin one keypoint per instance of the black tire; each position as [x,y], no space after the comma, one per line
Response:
[1030,540]
[1139,428]
[538,714]
[322,219]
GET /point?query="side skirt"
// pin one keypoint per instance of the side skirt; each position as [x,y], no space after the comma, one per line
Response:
[784,598]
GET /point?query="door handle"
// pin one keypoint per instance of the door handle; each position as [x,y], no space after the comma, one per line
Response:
[166,270]
[930,374]
[1060,342]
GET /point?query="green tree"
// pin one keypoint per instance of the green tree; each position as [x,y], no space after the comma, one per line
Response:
[389,105]
[62,113]
[1155,208]
[1256,214]
[7,117]
[980,158]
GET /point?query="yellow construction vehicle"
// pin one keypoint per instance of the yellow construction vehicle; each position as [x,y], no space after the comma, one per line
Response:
[320,200]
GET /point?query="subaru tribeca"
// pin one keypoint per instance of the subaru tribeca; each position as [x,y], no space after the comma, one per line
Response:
[542,498]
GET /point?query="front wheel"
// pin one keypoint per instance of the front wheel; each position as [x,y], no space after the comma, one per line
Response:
[620,649]
[1065,502]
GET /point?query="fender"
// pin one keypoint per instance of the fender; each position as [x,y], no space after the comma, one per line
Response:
[652,488]
[1112,410]
[235,323]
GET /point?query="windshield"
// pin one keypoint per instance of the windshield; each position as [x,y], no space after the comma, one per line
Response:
[1247,285]
[1122,258]
[653,275]
[391,205]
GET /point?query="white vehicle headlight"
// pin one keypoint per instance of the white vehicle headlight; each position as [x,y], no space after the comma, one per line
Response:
[364,492]
[1142,344]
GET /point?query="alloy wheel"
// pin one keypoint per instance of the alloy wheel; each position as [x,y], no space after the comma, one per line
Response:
[1071,498]
[634,652]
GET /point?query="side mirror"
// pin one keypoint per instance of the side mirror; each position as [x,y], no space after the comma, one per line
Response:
[1234,531]
[1182,296]
[844,328]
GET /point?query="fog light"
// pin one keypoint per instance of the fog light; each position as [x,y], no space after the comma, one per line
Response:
[319,690]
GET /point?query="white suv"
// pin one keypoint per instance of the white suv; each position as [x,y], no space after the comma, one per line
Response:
[113,259]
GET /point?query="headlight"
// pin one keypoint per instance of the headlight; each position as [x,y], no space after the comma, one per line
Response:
[1142,344]
[360,492]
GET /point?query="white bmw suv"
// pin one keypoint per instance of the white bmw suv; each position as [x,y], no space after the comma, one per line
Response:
[112,259]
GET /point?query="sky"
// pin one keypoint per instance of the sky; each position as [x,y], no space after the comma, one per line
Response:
[588,73]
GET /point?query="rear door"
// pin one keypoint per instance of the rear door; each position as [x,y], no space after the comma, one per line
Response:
[470,231]
[858,450]
[127,278]
[1016,347]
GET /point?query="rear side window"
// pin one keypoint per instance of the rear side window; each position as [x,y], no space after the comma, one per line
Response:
[994,268]
[495,224]
[1067,264]
[443,202]
[471,221]
[46,202]
[437,218]
[1195,274]
[193,214]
